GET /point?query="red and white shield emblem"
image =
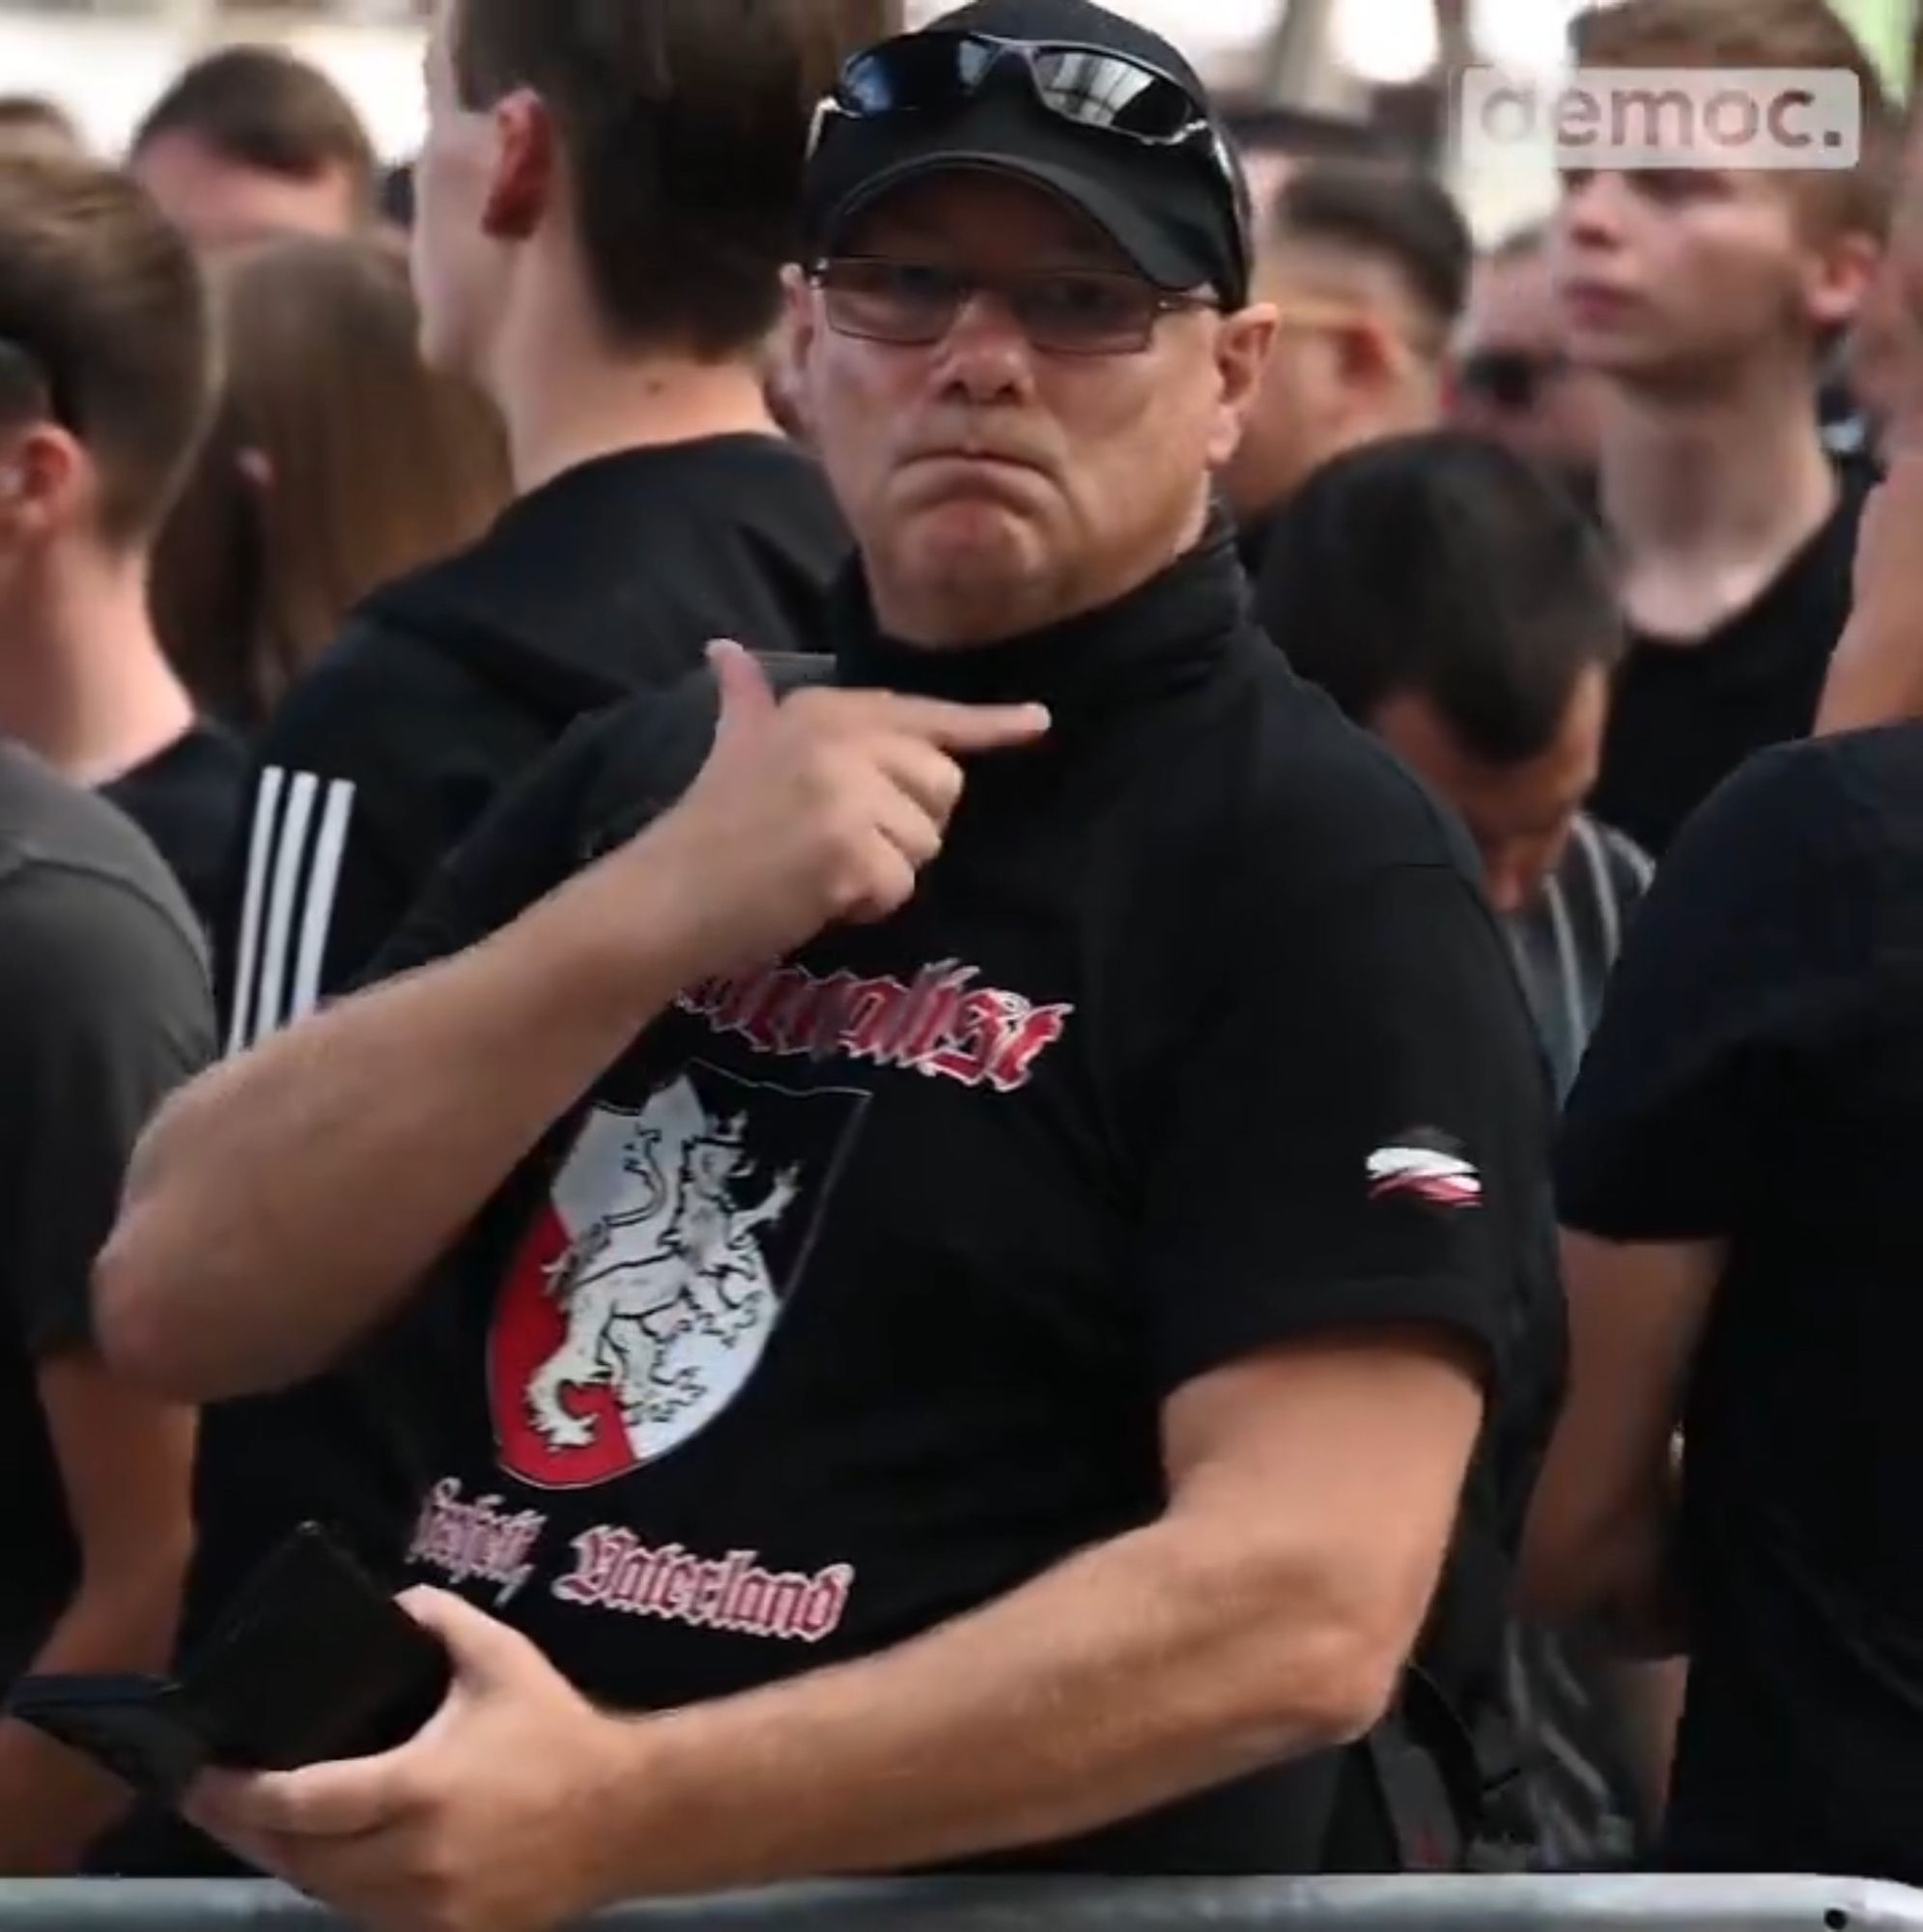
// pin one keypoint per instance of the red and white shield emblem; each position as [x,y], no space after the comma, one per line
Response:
[643,1298]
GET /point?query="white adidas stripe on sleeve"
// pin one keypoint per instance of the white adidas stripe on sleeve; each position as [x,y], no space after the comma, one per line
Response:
[294,856]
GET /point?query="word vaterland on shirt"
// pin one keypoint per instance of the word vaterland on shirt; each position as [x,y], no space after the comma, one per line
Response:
[615,1570]
[672,1237]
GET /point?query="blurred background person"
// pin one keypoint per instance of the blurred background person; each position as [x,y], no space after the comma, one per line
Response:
[105,1000]
[337,461]
[1368,264]
[32,127]
[1455,603]
[252,141]
[1512,379]
[1703,300]
[105,348]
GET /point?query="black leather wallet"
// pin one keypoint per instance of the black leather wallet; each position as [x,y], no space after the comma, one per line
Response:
[312,1663]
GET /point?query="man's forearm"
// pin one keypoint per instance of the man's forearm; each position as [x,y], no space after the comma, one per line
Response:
[1618,1579]
[53,1803]
[1134,1674]
[291,1200]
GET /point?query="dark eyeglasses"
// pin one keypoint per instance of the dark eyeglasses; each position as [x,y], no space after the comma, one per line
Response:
[1511,379]
[1060,311]
[938,70]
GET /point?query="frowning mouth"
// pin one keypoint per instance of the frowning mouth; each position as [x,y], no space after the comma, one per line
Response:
[988,460]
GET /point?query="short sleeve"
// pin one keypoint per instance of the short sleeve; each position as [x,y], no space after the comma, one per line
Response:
[375,764]
[603,782]
[104,1010]
[1755,925]
[1359,1137]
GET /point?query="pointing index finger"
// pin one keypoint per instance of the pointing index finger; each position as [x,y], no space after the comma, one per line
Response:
[971,727]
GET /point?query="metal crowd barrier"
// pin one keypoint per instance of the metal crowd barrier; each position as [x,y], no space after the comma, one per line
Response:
[1632,1904]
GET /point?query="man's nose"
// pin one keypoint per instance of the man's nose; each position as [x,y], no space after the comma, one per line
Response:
[985,352]
[1592,209]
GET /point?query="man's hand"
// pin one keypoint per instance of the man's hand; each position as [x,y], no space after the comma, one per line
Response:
[822,809]
[494,1819]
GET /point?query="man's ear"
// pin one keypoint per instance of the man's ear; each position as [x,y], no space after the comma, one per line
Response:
[527,167]
[45,479]
[1840,277]
[800,326]
[1243,345]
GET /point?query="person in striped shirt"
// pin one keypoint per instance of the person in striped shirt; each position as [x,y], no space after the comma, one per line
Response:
[1450,596]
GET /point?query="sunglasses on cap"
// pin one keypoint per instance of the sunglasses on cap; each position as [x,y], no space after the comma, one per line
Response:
[1511,379]
[938,70]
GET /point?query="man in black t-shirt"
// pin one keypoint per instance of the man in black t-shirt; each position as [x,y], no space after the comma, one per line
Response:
[105,380]
[105,1007]
[979,1245]
[1739,1182]
[617,323]
[1702,300]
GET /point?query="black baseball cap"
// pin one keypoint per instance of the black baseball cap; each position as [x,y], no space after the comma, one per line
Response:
[1180,214]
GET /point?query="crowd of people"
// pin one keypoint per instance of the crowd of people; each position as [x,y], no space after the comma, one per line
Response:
[1025,1016]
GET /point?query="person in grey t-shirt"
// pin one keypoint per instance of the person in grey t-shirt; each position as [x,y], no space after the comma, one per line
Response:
[104,1008]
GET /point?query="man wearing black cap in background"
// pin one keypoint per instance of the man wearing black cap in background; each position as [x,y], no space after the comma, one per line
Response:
[989,1231]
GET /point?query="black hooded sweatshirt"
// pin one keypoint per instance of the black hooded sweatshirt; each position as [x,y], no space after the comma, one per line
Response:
[443,690]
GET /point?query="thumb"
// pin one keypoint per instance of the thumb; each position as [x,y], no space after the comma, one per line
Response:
[482,1652]
[747,698]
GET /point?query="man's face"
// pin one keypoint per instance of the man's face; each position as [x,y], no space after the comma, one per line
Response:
[994,485]
[1519,815]
[1338,374]
[1673,280]
[1518,387]
[457,273]
[219,202]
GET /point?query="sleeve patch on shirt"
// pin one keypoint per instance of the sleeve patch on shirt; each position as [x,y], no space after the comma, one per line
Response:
[1425,1166]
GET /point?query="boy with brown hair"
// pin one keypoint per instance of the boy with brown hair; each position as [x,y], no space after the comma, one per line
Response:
[103,996]
[105,375]
[1702,298]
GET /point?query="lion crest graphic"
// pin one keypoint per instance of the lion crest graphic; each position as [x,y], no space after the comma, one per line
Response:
[643,1303]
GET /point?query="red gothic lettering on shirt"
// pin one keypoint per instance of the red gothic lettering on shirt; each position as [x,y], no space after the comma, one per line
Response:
[469,1540]
[942,1024]
[615,1571]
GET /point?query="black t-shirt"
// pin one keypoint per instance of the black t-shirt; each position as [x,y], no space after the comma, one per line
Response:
[188,801]
[104,1008]
[1758,1077]
[613,576]
[1687,712]
[848,1300]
